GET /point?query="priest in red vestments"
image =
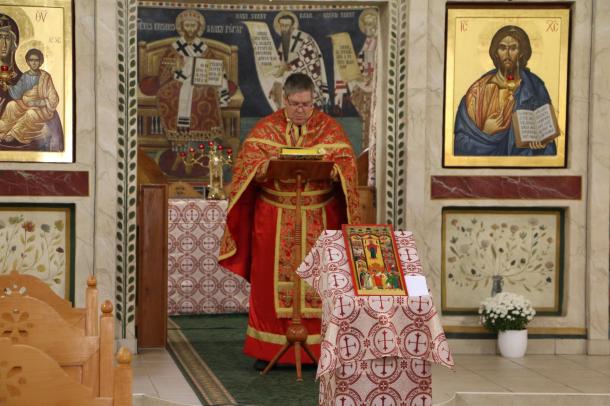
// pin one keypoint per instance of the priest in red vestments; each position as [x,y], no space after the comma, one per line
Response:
[258,243]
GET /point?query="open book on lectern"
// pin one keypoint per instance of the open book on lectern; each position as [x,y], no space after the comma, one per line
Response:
[301,153]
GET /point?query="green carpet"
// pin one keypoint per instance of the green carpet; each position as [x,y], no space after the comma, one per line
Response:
[213,360]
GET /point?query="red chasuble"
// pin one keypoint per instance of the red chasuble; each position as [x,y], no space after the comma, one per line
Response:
[258,243]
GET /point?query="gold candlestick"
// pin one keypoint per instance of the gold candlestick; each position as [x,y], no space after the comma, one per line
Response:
[216,161]
[190,158]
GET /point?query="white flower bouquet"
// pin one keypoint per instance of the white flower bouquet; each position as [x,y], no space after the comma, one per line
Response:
[506,311]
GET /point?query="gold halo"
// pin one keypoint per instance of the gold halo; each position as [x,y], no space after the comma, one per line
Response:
[276,21]
[367,12]
[23,48]
[190,14]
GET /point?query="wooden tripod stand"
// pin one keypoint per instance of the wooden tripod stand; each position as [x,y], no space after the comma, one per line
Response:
[301,171]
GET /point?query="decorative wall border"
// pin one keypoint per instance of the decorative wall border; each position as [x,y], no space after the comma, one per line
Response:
[247,7]
[393,200]
[125,299]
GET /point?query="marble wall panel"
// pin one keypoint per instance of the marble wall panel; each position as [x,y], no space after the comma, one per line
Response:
[424,149]
[85,134]
[506,187]
[598,219]
[44,183]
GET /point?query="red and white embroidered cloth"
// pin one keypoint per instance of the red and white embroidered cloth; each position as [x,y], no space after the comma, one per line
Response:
[376,350]
[196,283]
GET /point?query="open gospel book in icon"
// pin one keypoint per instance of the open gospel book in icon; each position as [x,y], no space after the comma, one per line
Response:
[374,260]
[207,72]
[539,125]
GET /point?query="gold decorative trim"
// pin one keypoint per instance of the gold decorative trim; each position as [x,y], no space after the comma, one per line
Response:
[293,207]
[276,262]
[199,373]
[266,142]
[293,194]
[243,189]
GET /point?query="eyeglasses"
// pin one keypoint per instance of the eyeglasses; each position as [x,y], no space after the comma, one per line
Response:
[296,105]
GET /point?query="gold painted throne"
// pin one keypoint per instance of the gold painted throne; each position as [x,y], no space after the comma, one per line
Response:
[150,132]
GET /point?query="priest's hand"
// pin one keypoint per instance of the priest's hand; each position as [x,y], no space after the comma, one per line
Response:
[261,172]
[334,174]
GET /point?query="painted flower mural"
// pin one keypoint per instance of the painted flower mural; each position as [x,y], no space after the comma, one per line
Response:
[34,243]
[485,252]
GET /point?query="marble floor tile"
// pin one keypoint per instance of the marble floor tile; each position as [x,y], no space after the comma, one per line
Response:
[599,363]
[547,362]
[534,385]
[155,374]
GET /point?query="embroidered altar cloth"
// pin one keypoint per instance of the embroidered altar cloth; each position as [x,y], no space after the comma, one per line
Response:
[196,283]
[376,350]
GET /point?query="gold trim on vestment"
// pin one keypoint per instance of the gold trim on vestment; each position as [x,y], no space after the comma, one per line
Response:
[302,131]
[266,142]
[344,188]
[337,145]
[228,254]
[281,311]
[294,194]
[276,261]
[243,188]
[293,207]
[280,339]
[230,206]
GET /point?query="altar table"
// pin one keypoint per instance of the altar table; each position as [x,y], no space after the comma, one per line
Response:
[196,283]
[376,350]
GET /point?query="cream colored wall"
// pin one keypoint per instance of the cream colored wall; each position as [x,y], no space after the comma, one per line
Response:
[586,256]
[587,221]
[95,150]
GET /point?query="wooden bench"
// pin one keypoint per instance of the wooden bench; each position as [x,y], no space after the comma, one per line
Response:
[32,377]
[79,341]
[85,318]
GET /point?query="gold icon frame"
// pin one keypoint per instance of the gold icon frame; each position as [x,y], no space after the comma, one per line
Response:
[469,30]
[48,26]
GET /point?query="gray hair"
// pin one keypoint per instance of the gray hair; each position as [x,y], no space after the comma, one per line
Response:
[298,82]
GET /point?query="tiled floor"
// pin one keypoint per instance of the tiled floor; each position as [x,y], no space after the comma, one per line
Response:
[155,374]
[533,373]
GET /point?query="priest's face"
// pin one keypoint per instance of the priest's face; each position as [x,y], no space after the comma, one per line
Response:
[299,106]
[508,55]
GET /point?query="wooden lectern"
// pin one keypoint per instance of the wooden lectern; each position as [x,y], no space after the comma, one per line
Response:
[301,171]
